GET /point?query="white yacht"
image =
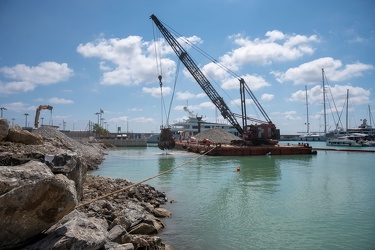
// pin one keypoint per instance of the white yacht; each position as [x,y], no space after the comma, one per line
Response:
[364,128]
[190,127]
[310,137]
[350,140]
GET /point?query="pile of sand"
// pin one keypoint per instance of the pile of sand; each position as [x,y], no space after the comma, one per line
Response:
[217,135]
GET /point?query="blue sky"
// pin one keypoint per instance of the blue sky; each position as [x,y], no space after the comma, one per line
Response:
[85,55]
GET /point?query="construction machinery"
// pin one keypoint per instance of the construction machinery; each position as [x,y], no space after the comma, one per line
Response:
[38,109]
[262,132]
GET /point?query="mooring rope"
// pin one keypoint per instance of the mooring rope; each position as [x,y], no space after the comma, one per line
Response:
[150,178]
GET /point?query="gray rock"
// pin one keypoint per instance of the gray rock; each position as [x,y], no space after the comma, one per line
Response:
[116,246]
[74,231]
[143,228]
[68,164]
[4,128]
[17,134]
[26,174]
[161,212]
[116,233]
[143,241]
[31,203]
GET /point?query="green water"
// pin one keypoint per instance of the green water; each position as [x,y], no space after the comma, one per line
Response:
[323,201]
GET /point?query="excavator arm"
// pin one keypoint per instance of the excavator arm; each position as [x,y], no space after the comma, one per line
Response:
[38,109]
[195,71]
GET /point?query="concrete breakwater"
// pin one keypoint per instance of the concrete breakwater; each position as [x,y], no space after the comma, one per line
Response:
[43,181]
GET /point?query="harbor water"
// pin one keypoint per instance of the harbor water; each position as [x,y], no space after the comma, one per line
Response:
[323,201]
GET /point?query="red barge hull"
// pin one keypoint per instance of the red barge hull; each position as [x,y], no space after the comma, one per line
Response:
[232,150]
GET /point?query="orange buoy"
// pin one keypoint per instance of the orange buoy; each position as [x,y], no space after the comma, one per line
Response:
[238,169]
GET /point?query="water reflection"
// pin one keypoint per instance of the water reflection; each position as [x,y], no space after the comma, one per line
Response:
[166,161]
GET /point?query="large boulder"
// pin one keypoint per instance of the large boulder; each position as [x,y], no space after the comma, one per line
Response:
[75,231]
[17,134]
[4,128]
[68,164]
[32,199]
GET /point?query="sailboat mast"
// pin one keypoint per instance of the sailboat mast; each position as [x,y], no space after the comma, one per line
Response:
[370,115]
[347,109]
[324,104]
[307,112]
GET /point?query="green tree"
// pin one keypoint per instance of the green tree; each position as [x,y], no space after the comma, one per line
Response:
[99,130]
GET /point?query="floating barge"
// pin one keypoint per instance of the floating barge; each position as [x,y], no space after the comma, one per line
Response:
[219,149]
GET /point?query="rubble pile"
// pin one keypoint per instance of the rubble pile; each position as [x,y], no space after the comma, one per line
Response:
[43,179]
[217,135]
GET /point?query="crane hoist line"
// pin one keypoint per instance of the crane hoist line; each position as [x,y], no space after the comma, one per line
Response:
[263,133]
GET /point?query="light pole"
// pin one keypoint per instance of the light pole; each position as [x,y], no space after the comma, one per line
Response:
[26,114]
[13,121]
[2,108]
[98,114]
[101,122]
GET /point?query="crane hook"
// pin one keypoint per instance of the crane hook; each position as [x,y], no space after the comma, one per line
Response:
[160,77]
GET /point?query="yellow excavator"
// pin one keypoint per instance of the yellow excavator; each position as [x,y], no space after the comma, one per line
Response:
[38,109]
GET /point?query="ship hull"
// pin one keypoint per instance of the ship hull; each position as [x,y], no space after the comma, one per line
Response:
[232,150]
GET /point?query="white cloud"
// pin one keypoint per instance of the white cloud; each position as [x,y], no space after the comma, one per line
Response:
[133,59]
[194,108]
[135,109]
[43,74]
[119,119]
[201,95]
[28,78]
[254,83]
[143,120]
[188,96]
[16,106]
[290,115]
[276,47]
[184,95]
[7,88]
[155,92]
[311,72]
[357,95]
[267,97]
[55,100]
[237,102]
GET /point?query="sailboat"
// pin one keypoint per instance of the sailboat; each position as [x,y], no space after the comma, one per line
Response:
[309,136]
[351,140]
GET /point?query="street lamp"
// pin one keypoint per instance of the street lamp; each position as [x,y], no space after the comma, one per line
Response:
[2,108]
[13,121]
[97,113]
[26,114]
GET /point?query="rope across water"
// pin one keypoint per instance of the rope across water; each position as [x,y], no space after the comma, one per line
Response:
[135,184]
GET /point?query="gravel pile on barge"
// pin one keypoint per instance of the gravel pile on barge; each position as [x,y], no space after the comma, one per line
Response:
[217,135]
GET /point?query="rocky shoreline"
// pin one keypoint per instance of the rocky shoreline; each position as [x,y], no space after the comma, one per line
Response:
[48,201]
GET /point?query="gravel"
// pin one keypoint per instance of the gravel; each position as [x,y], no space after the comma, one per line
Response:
[217,135]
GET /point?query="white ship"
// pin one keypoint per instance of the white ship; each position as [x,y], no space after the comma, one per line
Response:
[194,124]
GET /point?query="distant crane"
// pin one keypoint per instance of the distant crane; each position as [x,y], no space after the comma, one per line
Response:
[38,109]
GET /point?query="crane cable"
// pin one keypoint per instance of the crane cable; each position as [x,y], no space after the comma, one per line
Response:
[138,183]
[160,73]
[220,65]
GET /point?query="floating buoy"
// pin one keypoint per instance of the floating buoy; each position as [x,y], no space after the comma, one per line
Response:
[238,169]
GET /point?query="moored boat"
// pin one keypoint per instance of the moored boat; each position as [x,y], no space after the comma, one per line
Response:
[347,140]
